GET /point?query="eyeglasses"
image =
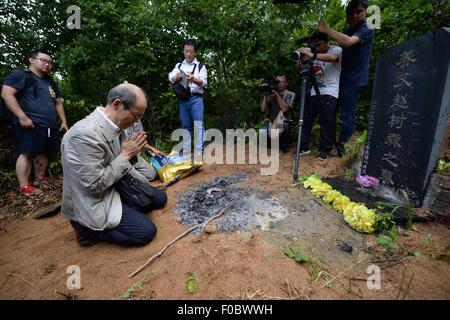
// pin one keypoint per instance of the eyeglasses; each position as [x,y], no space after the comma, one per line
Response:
[45,61]
[125,106]
[136,116]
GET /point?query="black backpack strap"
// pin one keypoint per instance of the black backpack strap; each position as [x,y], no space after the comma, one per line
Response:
[54,86]
[29,82]
[5,113]
[200,66]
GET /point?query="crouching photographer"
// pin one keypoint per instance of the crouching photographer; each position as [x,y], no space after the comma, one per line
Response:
[276,100]
[326,67]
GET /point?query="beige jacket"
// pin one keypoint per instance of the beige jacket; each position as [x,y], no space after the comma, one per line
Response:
[92,164]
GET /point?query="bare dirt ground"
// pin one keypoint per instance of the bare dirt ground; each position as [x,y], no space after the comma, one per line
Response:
[35,254]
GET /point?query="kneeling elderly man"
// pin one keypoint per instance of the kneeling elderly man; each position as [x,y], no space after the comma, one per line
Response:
[95,156]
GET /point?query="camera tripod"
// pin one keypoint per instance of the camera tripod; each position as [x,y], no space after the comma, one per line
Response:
[307,80]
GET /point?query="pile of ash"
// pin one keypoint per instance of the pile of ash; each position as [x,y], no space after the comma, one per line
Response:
[251,208]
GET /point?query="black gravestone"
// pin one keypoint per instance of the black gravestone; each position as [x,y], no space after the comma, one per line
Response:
[408,115]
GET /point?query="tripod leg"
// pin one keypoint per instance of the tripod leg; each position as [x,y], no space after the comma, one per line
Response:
[300,126]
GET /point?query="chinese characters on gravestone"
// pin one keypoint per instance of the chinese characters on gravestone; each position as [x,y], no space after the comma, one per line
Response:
[409,110]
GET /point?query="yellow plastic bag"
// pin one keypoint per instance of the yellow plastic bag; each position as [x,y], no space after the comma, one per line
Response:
[172,168]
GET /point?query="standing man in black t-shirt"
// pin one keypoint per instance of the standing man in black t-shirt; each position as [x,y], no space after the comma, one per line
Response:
[356,42]
[34,99]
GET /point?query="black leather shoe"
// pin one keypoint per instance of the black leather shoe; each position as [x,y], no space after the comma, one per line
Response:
[85,236]
[323,155]
[340,150]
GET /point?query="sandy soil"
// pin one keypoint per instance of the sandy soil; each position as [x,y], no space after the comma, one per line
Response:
[36,254]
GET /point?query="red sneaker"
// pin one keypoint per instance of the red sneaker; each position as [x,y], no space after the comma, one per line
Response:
[42,180]
[29,190]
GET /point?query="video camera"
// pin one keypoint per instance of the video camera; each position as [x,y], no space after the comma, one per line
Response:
[268,86]
[308,42]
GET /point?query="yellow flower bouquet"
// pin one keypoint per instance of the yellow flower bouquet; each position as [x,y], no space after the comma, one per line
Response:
[357,215]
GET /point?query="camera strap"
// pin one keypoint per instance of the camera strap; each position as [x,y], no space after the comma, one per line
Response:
[200,66]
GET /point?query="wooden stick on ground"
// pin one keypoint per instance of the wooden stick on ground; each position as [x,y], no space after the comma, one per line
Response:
[20,277]
[178,238]
[343,272]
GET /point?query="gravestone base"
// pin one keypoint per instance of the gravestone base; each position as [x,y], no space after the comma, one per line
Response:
[437,198]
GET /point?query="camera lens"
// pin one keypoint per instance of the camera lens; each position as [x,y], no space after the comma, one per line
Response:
[295,55]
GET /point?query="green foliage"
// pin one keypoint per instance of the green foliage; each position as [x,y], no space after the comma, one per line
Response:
[434,252]
[393,233]
[443,166]
[26,25]
[414,254]
[294,253]
[388,241]
[241,42]
[304,178]
[445,256]
[352,151]
[55,167]
[316,268]
[384,220]
[384,240]
[409,210]
[191,283]
[8,181]
[431,246]
[350,174]
[76,109]
[130,293]
[352,156]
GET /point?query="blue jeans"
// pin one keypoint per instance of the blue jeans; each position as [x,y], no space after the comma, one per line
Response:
[191,115]
[348,102]
[284,136]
